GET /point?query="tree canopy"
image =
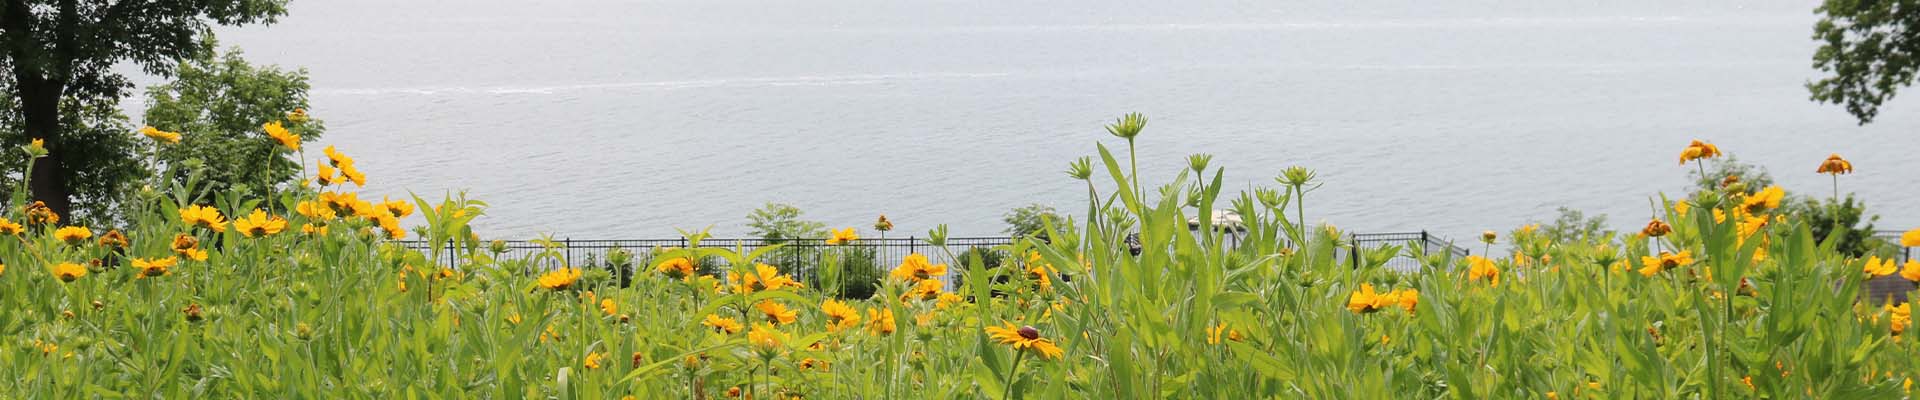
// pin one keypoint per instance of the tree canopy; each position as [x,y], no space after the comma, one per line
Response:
[1869,48]
[58,52]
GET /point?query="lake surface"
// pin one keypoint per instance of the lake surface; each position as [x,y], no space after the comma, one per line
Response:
[600,119]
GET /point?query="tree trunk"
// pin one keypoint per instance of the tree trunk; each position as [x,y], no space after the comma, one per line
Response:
[39,96]
[41,104]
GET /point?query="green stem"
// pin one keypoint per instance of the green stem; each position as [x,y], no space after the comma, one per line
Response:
[1011,372]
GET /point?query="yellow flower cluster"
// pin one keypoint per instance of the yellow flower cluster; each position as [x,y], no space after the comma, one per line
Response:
[1366,300]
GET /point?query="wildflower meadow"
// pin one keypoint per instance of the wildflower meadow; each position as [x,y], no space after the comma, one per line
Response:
[312,293]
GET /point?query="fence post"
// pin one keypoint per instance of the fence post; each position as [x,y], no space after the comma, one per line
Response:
[567,256]
[912,244]
[1353,256]
[1424,242]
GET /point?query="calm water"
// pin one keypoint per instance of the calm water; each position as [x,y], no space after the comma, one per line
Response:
[599,119]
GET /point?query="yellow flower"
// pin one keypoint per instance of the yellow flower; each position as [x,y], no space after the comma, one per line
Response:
[398,208]
[1666,261]
[560,279]
[1482,268]
[1215,332]
[204,217]
[593,360]
[1911,271]
[924,290]
[353,175]
[1681,207]
[839,315]
[1699,150]
[1656,228]
[313,229]
[194,254]
[10,228]
[723,325]
[609,307]
[765,338]
[3,268]
[325,175]
[1025,338]
[843,237]
[1877,268]
[1364,300]
[337,158]
[763,277]
[677,268]
[38,146]
[811,363]
[1834,165]
[915,267]
[67,272]
[155,267]
[314,210]
[391,225]
[280,134]
[880,321]
[160,136]
[1766,199]
[1910,239]
[947,300]
[883,224]
[1900,317]
[776,313]
[1409,299]
[258,224]
[73,235]
[298,115]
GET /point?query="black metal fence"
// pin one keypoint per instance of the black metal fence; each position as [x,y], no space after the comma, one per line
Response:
[1429,245]
[1893,237]
[800,256]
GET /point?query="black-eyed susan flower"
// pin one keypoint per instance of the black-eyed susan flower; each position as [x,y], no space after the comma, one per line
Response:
[883,225]
[326,176]
[924,290]
[154,267]
[880,321]
[73,235]
[947,300]
[259,224]
[677,268]
[810,364]
[1835,165]
[1481,268]
[38,214]
[1910,239]
[839,315]
[354,175]
[204,217]
[1698,150]
[1911,271]
[1025,338]
[840,237]
[68,272]
[160,136]
[1366,300]
[560,279]
[1651,265]
[1876,267]
[915,268]
[763,277]
[776,313]
[280,134]
[1900,316]
[1656,228]
[724,325]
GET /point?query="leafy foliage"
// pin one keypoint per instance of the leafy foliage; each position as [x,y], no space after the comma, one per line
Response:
[1844,222]
[106,157]
[1573,225]
[218,103]
[779,223]
[1029,220]
[1870,48]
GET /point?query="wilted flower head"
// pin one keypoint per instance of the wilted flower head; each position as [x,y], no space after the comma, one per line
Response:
[1835,165]
[1699,150]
